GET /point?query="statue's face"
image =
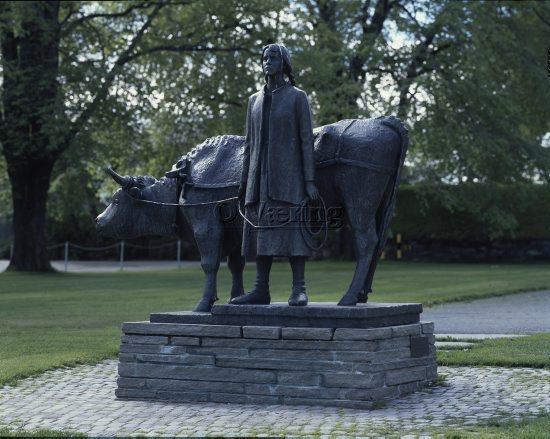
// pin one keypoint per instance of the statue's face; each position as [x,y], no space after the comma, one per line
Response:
[272,61]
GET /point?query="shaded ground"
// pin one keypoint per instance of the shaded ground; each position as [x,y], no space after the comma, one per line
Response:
[523,313]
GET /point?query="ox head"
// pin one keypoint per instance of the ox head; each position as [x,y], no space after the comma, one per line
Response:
[130,215]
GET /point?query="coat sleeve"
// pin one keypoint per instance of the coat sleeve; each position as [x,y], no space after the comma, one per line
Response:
[306,137]
[248,139]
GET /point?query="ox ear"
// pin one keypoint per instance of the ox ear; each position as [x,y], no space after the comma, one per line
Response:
[179,170]
[135,192]
[176,173]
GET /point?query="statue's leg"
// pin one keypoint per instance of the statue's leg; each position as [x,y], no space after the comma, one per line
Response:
[260,293]
[236,263]
[298,296]
[208,237]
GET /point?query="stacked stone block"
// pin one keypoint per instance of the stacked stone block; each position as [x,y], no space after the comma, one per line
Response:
[344,367]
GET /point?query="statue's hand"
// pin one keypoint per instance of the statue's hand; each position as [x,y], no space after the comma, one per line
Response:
[311,190]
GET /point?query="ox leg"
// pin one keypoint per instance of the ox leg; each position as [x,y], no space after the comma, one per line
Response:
[235,263]
[363,296]
[362,192]
[209,241]
[365,243]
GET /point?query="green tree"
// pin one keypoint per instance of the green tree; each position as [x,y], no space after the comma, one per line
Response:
[72,68]
[486,117]
[362,57]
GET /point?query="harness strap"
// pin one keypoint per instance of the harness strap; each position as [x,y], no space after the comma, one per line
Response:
[358,163]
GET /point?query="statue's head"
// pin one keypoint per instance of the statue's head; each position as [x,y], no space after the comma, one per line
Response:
[275,60]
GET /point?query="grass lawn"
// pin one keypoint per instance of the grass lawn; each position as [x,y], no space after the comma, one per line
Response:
[53,320]
[537,428]
[527,428]
[4,432]
[530,351]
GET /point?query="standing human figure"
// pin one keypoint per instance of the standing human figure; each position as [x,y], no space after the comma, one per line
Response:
[278,176]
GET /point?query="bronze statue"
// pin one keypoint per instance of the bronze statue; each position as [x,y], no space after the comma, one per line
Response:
[357,168]
[278,174]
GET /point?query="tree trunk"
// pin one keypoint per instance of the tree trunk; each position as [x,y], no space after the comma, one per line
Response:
[30,183]
[404,100]
[30,120]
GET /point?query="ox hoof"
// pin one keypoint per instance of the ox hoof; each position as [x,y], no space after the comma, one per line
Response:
[234,296]
[348,300]
[205,304]
[362,297]
[252,298]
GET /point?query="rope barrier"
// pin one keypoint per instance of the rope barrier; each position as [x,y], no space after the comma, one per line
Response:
[120,246]
[81,247]
[152,247]
[107,247]
[51,247]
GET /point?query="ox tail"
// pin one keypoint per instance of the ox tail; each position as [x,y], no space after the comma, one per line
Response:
[386,209]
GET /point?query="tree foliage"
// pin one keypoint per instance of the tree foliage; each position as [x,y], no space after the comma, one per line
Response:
[487,115]
[136,84]
[75,68]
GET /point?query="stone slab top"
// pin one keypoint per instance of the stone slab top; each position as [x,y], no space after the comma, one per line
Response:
[315,314]
[320,309]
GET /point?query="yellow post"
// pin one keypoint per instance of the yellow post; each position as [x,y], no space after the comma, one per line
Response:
[398,242]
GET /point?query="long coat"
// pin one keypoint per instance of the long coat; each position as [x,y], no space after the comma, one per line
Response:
[290,161]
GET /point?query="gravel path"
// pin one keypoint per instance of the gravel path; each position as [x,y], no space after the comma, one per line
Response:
[82,399]
[112,266]
[523,313]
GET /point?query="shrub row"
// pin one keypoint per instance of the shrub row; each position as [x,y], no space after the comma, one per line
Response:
[473,212]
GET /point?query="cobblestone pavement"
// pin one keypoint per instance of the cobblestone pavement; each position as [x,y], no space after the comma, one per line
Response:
[82,399]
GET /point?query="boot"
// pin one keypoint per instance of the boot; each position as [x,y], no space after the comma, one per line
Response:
[254,297]
[298,297]
[260,293]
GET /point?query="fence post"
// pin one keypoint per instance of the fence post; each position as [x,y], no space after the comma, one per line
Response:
[179,253]
[66,255]
[121,255]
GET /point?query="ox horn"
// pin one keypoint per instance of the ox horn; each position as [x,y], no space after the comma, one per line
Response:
[123,181]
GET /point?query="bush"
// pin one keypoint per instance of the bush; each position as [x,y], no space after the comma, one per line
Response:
[473,212]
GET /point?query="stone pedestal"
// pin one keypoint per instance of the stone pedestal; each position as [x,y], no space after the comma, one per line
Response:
[318,355]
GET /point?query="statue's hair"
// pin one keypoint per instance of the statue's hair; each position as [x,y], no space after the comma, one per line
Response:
[287,67]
